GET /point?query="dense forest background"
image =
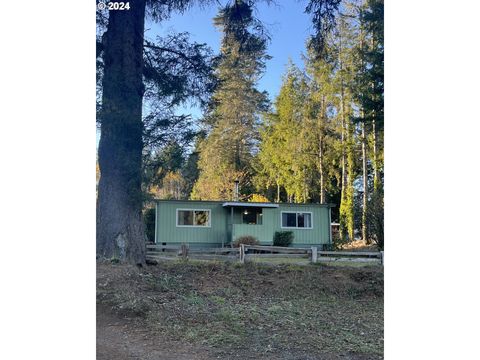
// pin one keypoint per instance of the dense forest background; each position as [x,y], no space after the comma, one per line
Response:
[319,141]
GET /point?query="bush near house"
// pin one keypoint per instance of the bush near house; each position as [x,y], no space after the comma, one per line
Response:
[149,219]
[246,240]
[282,238]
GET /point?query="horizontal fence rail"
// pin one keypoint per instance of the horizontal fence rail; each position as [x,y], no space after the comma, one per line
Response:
[251,252]
[351,253]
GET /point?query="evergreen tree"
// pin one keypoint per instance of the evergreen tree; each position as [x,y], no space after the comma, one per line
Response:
[285,156]
[120,230]
[369,97]
[344,81]
[324,19]
[190,170]
[128,67]
[162,178]
[373,104]
[373,99]
[233,120]
[346,36]
[356,49]
[322,109]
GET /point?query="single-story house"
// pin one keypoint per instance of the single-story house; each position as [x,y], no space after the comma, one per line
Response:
[218,223]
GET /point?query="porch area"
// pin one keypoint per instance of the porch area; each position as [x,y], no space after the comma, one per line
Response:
[249,219]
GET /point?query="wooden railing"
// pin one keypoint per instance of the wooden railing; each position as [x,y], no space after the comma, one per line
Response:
[169,252]
[252,252]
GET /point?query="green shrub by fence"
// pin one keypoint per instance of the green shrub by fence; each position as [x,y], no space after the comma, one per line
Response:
[282,238]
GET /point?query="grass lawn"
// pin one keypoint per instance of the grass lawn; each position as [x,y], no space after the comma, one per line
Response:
[211,310]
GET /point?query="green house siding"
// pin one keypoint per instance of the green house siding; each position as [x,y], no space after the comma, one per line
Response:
[318,234]
[169,232]
[263,233]
[221,230]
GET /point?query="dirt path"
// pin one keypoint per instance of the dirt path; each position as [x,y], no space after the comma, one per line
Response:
[121,339]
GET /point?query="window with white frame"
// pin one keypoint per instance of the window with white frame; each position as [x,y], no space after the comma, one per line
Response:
[296,219]
[193,217]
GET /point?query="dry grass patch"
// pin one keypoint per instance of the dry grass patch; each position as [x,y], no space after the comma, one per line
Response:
[253,311]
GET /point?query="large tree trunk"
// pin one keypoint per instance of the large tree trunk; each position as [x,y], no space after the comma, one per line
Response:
[376,179]
[346,200]
[321,171]
[343,183]
[343,194]
[321,136]
[365,182]
[120,229]
[374,137]
[350,176]
[342,110]
[364,141]
[278,192]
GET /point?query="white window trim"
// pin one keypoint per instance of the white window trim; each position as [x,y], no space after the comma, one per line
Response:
[296,220]
[209,224]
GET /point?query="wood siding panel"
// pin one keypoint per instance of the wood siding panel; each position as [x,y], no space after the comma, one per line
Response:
[168,232]
[218,233]
[318,234]
[263,233]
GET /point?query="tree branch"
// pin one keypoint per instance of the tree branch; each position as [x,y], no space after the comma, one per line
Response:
[178,53]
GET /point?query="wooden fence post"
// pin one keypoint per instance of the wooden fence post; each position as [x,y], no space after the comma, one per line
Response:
[242,253]
[184,251]
[314,254]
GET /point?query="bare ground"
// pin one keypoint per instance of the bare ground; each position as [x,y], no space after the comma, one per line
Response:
[204,311]
[124,339]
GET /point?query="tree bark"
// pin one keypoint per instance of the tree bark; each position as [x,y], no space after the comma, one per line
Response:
[374,137]
[321,171]
[346,199]
[376,179]
[120,228]
[350,176]
[343,193]
[364,142]
[344,155]
[342,109]
[365,183]
[320,152]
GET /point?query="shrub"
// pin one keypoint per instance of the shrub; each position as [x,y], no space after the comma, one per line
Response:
[149,219]
[246,240]
[375,218]
[338,242]
[283,238]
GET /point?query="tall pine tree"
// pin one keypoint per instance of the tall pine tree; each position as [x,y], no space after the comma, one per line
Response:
[233,120]
[128,68]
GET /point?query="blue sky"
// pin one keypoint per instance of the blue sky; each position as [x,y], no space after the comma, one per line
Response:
[287,25]
[286,22]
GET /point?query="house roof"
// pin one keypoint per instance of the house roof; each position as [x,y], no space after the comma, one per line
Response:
[243,204]
[249,204]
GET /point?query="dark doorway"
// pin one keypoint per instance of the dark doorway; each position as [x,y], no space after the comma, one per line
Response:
[252,216]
